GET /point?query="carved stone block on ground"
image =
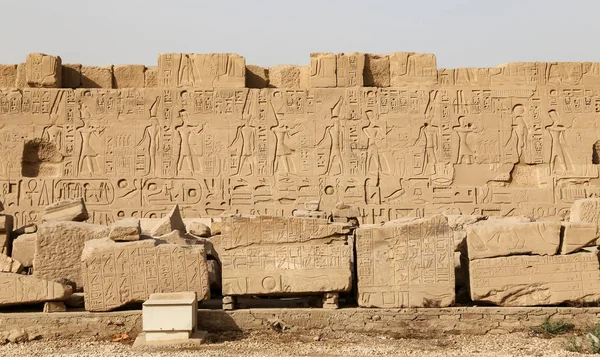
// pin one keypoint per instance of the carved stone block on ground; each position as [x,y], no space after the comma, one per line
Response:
[116,274]
[323,70]
[58,249]
[43,71]
[17,289]
[407,264]
[71,75]
[125,230]
[577,235]
[67,210]
[536,280]
[129,76]
[10,265]
[96,77]
[8,75]
[350,68]
[409,68]
[23,249]
[275,255]
[502,239]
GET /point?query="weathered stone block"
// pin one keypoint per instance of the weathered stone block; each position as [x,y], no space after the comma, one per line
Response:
[23,249]
[71,75]
[10,265]
[129,76]
[8,75]
[169,223]
[408,264]
[212,70]
[501,239]
[20,289]
[54,306]
[198,229]
[125,230]
[257,76]
[323,70]
[151,77]
[275,255]
[67,210]
[409,68]
[586,210]
[577,235]
[535,280]
[43,71]
[377,71]
[116,274]
[96,77]
[21,76]
[350,68]
[284,76]
[58,248]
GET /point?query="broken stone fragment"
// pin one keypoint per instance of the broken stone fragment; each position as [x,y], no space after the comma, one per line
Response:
[43,71]
[177,237]
[58,247]
[169,223]
[54,306]
[23,249]
[140,269]
[503,239]
[198,229]
[531,280]
[10,265]
[577,235]
[67,210]
[407,264]
[20,289]
[125,230]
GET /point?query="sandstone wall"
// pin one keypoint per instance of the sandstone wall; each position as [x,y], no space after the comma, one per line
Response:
[520,138]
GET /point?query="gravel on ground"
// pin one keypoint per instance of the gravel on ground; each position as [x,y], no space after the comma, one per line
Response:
[326,344]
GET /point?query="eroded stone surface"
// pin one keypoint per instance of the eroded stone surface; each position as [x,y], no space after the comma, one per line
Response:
[502,239]
[43,71]
[274,255]
[577,235]
[20,289]
[536,280]
[23,249]
[67,210]
[408,264]
[129,76]
[96,77]
[169,223]
[116,274]
[10,265]
[58,248]
[8,75]
[586,210]
[125,230]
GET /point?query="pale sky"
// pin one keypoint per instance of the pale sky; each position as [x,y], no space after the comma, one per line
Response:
[462,33]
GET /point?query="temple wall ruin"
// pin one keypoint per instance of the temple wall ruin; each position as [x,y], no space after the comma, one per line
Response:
[390,135]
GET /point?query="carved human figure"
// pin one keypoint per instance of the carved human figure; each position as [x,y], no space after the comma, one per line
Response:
[282,150]
[557,151]
[464,149]
[84,106]
[245,133]
[185,152]
[337,139]
[53,133]
[428,134]
[87,153]
[519,128]
[151,132]
[374,134]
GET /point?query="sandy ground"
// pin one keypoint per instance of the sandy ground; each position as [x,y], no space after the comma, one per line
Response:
[315,344]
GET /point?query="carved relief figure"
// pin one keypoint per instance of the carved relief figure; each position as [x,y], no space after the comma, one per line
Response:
[374,135]
[151,132]
[520,129]
[54,134]
[282,151]
[88,155]
[557,136]
[185,152]
[428,134]
[245,133]
[464,148]
[337,139]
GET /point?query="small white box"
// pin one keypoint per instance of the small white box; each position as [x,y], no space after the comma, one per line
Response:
[176,313]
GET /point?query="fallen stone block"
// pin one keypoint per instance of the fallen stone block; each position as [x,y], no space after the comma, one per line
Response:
[577,235]
[408,264]
[169,223]
[125,230]
[117,274]
[10,265]
[43,71]
[20,289]
[54,306]
[536,280]
[23,249]
[283,256]
[58,248]
[198,229]
[67,210]
[502,239]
